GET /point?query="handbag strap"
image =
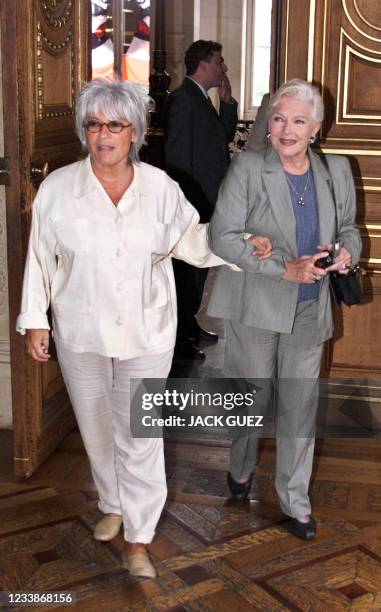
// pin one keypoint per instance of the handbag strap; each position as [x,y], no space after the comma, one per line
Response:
[324,161]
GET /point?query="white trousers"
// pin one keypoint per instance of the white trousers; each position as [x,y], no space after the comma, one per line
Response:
[128,472]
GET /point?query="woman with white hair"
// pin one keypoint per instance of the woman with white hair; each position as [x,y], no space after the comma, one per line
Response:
[278,313]
[103,232]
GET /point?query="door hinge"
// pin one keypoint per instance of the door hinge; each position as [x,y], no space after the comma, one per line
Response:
[5,179]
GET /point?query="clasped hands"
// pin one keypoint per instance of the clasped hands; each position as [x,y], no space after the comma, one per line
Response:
[263,247]
[305,270]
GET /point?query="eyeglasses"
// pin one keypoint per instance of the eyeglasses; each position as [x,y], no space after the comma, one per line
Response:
[115,127]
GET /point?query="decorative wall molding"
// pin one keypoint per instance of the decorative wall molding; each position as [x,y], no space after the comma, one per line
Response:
[355,58]
[363,18]
[56,12]
[360,23]
[311,40]
[5,355]
[55,48]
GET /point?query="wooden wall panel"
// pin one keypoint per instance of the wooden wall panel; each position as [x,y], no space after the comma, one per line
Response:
[295,37]
[355,351]
[337,45]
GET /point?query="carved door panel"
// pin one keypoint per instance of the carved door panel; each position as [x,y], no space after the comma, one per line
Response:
[45,51]
[337,45]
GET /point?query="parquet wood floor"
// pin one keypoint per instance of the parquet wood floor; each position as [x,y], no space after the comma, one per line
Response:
[211,553]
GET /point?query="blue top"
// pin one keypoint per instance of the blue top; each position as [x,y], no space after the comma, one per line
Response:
[307,226]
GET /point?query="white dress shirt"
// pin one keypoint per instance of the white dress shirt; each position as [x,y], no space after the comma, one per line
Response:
[106,270]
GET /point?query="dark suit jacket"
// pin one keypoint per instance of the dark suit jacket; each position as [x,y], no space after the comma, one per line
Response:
[196,147]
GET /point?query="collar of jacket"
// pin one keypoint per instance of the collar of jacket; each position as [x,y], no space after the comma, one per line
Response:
[273,163]
[200,87]
[191,86]
[85,180]
[279,195]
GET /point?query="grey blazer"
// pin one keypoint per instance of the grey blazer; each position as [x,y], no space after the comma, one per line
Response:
[257,137]
[254,197]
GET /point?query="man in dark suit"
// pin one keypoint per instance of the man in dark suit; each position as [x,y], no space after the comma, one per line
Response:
[197,157]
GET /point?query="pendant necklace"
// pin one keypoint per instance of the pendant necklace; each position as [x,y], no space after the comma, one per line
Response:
[299,196]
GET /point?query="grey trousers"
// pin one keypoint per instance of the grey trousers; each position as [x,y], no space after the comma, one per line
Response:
[294,359]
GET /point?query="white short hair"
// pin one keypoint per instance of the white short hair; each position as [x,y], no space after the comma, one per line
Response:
[117,100]
[301,90]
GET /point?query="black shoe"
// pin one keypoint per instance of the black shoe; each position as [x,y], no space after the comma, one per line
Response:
[187,350]
[204,335]
[239,490]
[306,531]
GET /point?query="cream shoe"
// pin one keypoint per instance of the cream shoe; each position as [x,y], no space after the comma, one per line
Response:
[139,565]
[107,528]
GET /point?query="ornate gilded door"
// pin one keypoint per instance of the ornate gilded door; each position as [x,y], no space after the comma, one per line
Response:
[45,59]
[337,45]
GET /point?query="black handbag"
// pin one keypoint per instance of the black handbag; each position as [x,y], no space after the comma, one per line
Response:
[345,288]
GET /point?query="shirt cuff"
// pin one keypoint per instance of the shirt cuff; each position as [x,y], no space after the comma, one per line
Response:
[31,320]
[231,102]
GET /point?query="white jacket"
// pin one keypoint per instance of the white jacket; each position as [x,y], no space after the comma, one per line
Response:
[107,270]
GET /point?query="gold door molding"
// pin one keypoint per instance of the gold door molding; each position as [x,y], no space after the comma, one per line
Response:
[337,45]
[46,58]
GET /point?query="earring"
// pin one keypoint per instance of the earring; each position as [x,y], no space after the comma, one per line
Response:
[268,135]
[312,139]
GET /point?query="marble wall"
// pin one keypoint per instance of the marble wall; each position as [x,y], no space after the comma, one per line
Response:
[5,367]
[219,20]
[180,27]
